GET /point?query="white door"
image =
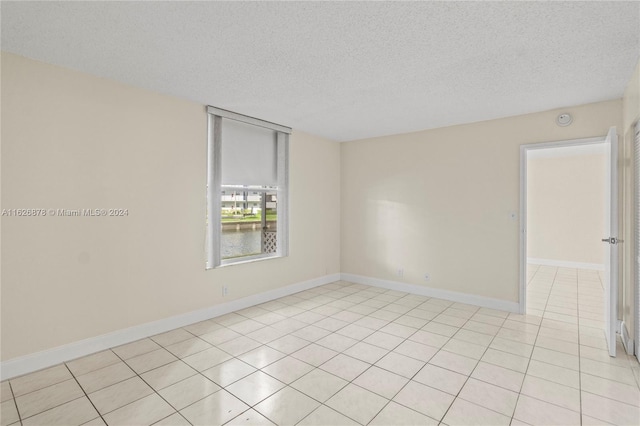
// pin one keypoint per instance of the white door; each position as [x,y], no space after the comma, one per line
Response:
[611,243]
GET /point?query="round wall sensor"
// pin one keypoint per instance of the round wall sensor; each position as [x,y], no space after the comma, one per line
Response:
[564,119]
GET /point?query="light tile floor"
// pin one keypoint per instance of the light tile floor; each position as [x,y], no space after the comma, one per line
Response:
[348,354]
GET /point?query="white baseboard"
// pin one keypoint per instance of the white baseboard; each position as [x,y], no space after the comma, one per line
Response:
[39,360]
[627,342]
[565,264]
[471,299]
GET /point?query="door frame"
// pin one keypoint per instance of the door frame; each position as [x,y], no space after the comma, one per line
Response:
[635,197]
[524,149]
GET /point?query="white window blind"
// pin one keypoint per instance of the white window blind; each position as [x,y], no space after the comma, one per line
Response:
[250,155]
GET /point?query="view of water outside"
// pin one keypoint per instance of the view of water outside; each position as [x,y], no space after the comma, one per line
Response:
[240,243]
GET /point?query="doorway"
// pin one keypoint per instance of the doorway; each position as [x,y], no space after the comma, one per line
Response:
[568,199]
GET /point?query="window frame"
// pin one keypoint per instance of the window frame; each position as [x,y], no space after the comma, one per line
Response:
[215,119]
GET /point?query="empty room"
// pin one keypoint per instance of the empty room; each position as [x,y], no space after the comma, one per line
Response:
[319,213]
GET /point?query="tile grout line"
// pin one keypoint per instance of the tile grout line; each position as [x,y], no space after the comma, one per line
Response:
[443,308]
[534,343]
[389,400]
[337,353]
[371,364]
[237,356]
[15,401]
[216,346]
[579,380]
[84,392]
[48,386]
[495,335]
[469,375]
[151,387]
[579,348]
[136,374]
[251,407]
[441,348]
[449,306]
[400,315]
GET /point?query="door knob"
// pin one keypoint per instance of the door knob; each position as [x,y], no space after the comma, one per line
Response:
[610,240]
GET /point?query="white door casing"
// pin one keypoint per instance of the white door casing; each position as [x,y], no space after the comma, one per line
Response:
[610,240]
[636,154]
[610,204]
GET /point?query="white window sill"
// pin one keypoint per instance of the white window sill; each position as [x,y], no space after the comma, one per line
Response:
[248,259]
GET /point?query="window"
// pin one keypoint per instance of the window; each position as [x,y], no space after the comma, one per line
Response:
[247,189]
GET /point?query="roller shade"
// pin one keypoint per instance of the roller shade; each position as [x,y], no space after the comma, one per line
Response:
[249,154]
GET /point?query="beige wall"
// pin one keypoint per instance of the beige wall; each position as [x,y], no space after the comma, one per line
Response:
[71,140]
[631,114]
[565,208]
[631,99]
[439,201]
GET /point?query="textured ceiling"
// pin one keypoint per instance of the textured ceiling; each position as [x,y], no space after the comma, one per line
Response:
[344,70]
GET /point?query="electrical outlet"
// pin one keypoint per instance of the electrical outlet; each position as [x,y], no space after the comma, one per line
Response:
[225,290]
[427,277]
[400,272]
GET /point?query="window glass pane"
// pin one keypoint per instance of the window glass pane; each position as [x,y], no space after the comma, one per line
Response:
[249,223]
[249,154]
